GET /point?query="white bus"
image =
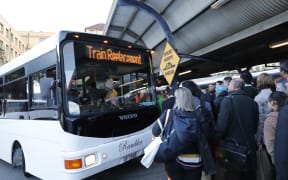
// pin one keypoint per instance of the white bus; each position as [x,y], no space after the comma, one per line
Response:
[55,126]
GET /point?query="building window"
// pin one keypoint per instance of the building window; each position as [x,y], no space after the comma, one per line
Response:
[1,45]
[41,39]
[16,41]
[12,38]
[1,28]
[7,33]
[2,50]
[11,53]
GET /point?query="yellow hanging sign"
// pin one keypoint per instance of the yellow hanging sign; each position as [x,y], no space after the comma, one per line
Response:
[169,63]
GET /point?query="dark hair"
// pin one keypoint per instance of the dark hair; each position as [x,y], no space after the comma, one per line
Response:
[227,78]
[219,82]
[246,76]
[194,88]
[284,66]
[280,98]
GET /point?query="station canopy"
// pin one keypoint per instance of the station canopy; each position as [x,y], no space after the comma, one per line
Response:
[219,35]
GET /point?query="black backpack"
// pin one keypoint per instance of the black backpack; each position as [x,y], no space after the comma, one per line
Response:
[206,124]
[205,120]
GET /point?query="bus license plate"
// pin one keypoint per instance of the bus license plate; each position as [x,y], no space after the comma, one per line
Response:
[129,156]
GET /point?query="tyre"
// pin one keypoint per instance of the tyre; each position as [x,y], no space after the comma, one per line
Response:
[18,159]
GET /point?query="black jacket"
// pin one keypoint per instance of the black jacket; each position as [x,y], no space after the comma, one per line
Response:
[168,103]
[281,145]
[180,136]
[219,99]
[251,91]
[244,108]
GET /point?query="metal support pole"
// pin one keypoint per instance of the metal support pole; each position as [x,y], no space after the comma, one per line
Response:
[155,14]
[159,19]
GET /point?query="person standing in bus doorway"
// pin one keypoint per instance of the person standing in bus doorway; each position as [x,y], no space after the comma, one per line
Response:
[179,149]
[169,102]
[237,108]
[111,93]
[247,77]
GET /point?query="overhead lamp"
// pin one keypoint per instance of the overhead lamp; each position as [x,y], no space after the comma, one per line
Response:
[185,72]
[279,44]
[76,36]
[218,4]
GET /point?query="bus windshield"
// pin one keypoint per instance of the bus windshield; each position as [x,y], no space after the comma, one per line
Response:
[101,78]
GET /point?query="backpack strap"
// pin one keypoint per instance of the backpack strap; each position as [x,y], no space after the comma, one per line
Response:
[238,119]
[167,117]
[165,123]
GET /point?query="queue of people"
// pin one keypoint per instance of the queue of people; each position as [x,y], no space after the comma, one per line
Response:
[253,115]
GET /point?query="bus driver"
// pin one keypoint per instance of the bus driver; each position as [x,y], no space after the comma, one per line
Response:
[111,93]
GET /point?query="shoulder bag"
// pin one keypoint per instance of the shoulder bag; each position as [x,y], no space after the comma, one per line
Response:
[231,154]
[151,150]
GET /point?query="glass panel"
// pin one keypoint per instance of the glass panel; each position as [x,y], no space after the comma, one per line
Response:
[15,75]
[44,98]
[16,102]
[42,93]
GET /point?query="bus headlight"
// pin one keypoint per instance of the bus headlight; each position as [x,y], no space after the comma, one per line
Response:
[90,160]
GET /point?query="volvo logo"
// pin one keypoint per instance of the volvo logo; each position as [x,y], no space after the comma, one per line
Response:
[128,116]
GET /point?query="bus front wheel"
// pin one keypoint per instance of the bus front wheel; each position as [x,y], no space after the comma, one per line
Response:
[18,159]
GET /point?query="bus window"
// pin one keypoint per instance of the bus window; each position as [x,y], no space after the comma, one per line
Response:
[43,95]
[15,95]
[42,91]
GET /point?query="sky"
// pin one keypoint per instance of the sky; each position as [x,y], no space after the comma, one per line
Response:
[52,16]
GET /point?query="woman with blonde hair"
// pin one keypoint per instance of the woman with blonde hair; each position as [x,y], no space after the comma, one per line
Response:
[179,149]
[265,85]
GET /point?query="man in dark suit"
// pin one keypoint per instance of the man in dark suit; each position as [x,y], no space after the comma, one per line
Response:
[247,77]
[238,120]
[169,102]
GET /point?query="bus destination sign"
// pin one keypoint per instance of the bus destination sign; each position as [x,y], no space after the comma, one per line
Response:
[110,54]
